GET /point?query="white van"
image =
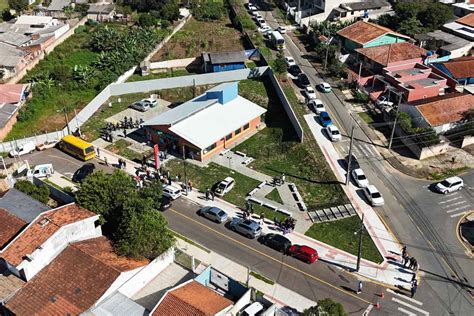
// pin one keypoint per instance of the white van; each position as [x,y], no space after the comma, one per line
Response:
[23,149]
[171,192]
[41,171]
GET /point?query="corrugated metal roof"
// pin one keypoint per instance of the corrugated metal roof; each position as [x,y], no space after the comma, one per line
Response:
[117,304]
[227,57]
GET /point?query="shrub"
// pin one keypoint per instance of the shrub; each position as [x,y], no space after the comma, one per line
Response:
[208,11]
[40,193]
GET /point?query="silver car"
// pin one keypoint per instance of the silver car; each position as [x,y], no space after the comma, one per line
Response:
[246,227]
[214,214]
[141,106]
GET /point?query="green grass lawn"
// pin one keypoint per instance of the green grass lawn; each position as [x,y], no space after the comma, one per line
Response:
[207,177]
[167,74]
[340,234]
[3,4]
[274,196]
[268,213]
[120,147]
[366,117]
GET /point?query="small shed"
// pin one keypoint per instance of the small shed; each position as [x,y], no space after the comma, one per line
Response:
[223,61]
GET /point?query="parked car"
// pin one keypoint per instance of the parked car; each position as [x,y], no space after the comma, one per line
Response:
[304,253]
[359,178]
[171,192]
[325,87]
[224,186]
[290,61]
[140,106]
[317,106]
[251,7]
[265,29]
[325,119]
[333,133]
[383,102]
[354,162]
[256,15]
[294,70]
[152,102]
[246,227]
[165,203]
[214,214]
[281,29]
[449,185]
[373,195]
[41,171]
[303,80]
[261,22]
[83,172]
[310,93]
[275,241]
[46,145]
[253,309]
[23,149]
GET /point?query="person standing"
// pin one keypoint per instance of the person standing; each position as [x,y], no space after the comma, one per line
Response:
[359,287]
[207,194]
[212,195]
[413,290]
[412,263]
[407,262]
[98,152]
[106,162]
[283,177]
[262,218]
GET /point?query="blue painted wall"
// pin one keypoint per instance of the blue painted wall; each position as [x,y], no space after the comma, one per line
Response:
[224,92]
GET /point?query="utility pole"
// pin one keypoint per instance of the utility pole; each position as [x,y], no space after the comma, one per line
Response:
[184,167]
[395,122]
[327,52]
[359,250]
[67,121]
[350,156]
[360,71]
[77,122]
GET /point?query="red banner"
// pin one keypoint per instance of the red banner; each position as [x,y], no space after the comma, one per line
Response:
[156,150]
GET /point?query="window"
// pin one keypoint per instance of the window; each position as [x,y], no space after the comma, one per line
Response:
[209,148]
[237,131]
[228,136]
[246,126]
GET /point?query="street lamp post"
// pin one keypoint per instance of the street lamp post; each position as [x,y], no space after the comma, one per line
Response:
[359,250]
[185,176]
[395,122]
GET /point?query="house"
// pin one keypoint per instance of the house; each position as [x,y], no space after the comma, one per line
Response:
[442,112]
[56,7]
[360,10]
[102,11]
[11,226]
[223,61]
[12,97]
[46,236]
[203,126]
[12,60]
[460,69]
[366,34]
[445,44]
[21,205]
[463,7]
[462,27]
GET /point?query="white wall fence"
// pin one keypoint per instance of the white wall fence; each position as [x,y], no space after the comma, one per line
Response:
[174,63]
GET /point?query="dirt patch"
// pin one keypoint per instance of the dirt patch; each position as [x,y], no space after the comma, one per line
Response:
[196,37]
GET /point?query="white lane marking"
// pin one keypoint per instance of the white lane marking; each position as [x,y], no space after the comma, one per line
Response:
[454,204]
[362,149]
[410,306]
[458,208]
[404,311]
[372,150]
[405,297]
[367,311]
[458,214]
[450,200]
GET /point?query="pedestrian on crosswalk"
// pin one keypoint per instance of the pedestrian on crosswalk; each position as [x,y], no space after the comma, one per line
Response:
[413,290]
[413,278]
[412,263]
[404,254]
[407,262]
[405,259]
[359,287]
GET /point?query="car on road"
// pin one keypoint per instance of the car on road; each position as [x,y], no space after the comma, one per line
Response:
[83,172]
[310,93]
[324,87]
[265,29]
[276,241]
[171,192]
[303,253]
[256,15]
[165,203]
[213,213]
[247,227]
[294,70]
[281,29]
[325,119]
[151,102]
[23,149]
[449,185]
[359,178]
[354,162]
[317,106]
[224,186]
[261,22]
[290,61]
[333,133]
[251,7]
[373,195]
[140,106]
[303,80]
[41,171]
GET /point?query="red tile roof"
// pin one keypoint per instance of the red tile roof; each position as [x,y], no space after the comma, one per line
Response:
[72,282]
[41,230]
[11,93]
[10,226]
[445,109]
[363,32]
[462,67]
[392,53]
[467,20]
[192,299]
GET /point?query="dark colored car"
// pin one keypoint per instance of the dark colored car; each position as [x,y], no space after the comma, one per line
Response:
[294,70]
[83,172]
[303,253]
[165,204]
[277,242]
[303,80]
[354,163]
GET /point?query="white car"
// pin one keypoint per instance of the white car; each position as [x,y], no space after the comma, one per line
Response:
[290,61]
[325,87]
[383,102]
[151,102]
[450,185]
[333,133]
[171,192]
[373,195]
[265,29]
[261,22]
[23,149]
[317,106]
[256,15]
[310,93]
[281,29]
[252,7]
[225,186]
[359,178]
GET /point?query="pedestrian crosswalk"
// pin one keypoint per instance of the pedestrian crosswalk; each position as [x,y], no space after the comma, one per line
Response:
[455,204]
[407,305]
[367,151]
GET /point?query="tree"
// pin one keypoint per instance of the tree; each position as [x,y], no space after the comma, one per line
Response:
[408,10]
[153,191]
[279,65]
[39,193]
[146,20]
[62,73]
[388,20]
[435,15]
[325,307]
[170,11]
[411,27]
[18,5]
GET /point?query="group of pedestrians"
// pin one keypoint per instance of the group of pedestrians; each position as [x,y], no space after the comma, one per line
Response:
[410,263]
[122,164]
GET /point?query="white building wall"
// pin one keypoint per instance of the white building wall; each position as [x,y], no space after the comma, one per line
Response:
[242,302]
[42,256]
[61,31]
[124,277]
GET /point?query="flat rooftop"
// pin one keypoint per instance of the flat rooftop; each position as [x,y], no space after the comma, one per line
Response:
[425,82]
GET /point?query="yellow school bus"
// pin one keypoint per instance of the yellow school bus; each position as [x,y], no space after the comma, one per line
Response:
[77,147]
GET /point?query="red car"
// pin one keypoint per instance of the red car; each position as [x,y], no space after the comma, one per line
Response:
[304,253]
